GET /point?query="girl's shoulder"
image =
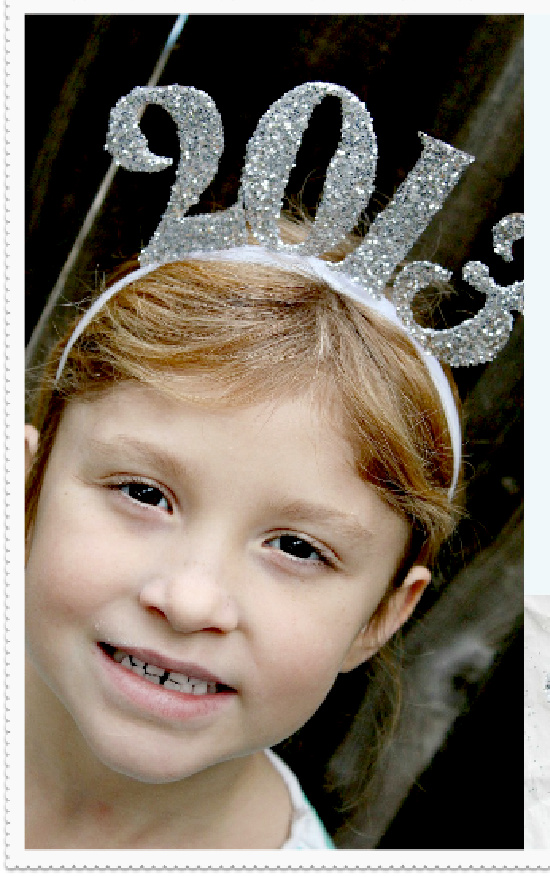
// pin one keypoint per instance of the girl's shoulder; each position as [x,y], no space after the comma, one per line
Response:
[307,832]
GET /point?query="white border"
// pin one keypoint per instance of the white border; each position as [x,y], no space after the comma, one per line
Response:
[537,312]
[538,40]
[305,7]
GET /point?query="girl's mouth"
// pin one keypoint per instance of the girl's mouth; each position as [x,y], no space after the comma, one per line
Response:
[170,679]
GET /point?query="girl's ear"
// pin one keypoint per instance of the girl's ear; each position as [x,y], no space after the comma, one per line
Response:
[31,445]
[378,631]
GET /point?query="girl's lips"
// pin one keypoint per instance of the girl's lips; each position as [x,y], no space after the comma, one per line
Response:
[125,686]
[157,667]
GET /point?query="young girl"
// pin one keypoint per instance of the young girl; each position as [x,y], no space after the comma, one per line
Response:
[238,478]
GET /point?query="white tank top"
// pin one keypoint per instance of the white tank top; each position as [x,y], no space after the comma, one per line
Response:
[307,832]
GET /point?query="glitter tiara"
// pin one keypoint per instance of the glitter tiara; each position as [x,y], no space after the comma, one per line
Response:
[363,274]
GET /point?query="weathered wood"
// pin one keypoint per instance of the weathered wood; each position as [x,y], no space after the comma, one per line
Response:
[492,133]
[446,658]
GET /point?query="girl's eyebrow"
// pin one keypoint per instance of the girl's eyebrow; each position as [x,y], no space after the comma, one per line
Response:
[325,515]
[304,511]
[139,449]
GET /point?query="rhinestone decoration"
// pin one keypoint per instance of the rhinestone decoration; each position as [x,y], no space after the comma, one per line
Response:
[201,144]
[400,224]
[271,155]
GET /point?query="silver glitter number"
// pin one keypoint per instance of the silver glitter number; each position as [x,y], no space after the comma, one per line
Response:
[505,233]
[397,227]
[271,154]
[481,337]
[201,144]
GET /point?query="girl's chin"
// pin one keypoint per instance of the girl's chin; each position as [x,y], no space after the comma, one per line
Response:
[145,767]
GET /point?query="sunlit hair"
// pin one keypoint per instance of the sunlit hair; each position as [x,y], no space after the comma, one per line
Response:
[260,333]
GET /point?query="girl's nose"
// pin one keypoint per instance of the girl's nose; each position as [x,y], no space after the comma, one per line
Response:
[192,597]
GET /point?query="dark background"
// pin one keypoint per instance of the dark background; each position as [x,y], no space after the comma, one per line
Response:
[436,74]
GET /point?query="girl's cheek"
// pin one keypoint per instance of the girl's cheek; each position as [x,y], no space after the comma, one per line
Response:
[64,574]
[307,663]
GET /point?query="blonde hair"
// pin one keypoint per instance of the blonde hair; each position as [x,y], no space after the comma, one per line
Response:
[261,332]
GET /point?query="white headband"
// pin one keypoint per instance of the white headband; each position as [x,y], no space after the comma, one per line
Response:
[308,266]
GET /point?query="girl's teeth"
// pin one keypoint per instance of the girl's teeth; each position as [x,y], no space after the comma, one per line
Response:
[182,682]
[200,688]
[181,678]
[173,681]
[173,686]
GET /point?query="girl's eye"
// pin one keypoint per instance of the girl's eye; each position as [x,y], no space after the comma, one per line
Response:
[298,548]
[145,494]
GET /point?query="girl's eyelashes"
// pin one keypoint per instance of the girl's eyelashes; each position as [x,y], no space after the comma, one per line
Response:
[300,549]
[144,493]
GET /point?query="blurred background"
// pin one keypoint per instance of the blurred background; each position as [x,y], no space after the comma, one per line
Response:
[453,776]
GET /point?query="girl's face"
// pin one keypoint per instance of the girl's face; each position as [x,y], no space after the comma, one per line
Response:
[233,556]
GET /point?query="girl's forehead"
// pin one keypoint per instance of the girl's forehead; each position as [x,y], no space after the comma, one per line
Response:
[184,425]
[175,400]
